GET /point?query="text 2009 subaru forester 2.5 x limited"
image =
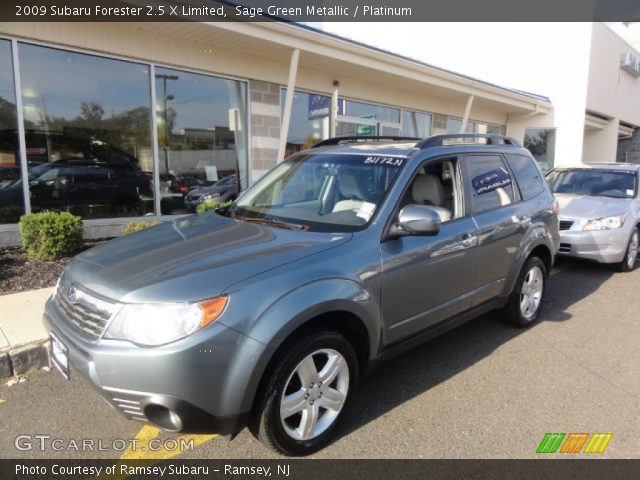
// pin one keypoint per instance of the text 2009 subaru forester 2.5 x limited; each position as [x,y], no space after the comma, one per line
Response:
[264,314]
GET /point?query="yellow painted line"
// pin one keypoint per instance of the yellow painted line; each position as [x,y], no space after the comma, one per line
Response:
[148,433]
[2,400]
[557,269]
[143,450]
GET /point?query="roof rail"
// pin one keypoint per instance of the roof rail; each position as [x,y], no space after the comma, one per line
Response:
[492,139]
[356,139]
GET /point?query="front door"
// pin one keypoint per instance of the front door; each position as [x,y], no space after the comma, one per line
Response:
[427,279]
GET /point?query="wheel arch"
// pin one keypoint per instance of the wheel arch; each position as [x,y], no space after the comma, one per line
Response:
[338,316]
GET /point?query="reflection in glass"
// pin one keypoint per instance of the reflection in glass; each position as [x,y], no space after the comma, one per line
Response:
[309,124]
[369,111]
[416,124]
[541,142]
[87,125]
[201,137]
[454,124]
[11,197]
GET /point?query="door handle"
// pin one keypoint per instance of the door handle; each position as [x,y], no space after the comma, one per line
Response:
[469,240]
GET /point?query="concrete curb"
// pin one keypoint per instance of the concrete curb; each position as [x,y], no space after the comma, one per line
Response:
[21,360]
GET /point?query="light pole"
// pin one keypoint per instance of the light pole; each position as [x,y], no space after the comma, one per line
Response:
[165,99]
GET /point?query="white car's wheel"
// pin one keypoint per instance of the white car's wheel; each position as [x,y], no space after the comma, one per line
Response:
[628,263]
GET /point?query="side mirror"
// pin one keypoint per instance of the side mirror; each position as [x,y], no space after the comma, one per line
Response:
[417,220]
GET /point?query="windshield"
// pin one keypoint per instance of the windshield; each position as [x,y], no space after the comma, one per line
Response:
[594,182]
[320,192]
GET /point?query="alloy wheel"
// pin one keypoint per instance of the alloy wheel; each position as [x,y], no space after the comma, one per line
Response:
[632,251]
[314,394]
[531,292]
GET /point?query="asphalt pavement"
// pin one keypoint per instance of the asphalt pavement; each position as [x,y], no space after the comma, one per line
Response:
[484,390]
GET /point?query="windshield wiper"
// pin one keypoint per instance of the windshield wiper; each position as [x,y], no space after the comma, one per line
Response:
[274,223]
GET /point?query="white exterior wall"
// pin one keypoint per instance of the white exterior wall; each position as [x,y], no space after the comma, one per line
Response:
[550,59]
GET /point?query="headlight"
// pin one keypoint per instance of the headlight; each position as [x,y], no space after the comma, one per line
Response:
[158,323]
[605,223]
[211,196]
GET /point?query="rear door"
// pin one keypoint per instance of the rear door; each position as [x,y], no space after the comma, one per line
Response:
[500,217]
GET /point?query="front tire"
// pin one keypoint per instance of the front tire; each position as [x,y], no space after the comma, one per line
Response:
[628,263]
[306,394]
[525,302]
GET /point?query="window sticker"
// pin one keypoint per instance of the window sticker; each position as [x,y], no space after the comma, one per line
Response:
[629,191]
[391,161]
[490,181]
[366,210]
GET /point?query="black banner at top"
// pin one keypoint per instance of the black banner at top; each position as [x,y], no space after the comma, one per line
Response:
[318,10]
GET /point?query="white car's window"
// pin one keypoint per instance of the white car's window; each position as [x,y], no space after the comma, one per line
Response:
[594,182]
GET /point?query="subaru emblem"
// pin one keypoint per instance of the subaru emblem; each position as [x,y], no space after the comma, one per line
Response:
[72,294]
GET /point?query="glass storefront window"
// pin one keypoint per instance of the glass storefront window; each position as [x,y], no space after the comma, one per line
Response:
[201,138]
[362,119]
[310,115]
[370,111]
[541,142]
[416,124]
[87,127]
[454,124]
[11,196]
[490,129]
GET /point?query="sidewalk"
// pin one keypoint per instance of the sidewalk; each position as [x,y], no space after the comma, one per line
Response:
[23,338]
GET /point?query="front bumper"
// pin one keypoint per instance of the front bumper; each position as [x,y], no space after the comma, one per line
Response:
[605,246]
[201,378]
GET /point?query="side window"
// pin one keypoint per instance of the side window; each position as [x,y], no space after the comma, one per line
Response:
[527,174]
[488,181]
[437,185]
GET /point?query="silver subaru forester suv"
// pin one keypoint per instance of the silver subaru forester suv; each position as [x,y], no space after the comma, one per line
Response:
[263,314]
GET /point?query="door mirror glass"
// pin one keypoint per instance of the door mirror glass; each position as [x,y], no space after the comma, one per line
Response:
[418,220]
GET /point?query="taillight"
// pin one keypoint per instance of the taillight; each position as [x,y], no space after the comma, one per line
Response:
[556,207]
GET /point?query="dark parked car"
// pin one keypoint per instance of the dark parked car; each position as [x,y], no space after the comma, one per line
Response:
[221,191]
[113,188]
[265,313]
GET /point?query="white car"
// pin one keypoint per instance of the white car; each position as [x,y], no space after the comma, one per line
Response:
[599,212]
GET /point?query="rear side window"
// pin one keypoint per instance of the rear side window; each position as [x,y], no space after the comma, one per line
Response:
[489,181]
[527,175]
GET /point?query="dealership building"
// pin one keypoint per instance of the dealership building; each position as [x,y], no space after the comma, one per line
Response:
[114,121]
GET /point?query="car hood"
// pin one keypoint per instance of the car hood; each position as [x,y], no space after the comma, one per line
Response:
[586,207]
[191,258]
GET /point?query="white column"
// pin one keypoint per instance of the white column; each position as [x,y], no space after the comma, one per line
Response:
[157,196]
[333,111]
[467,111]
[24,168]
[288,103]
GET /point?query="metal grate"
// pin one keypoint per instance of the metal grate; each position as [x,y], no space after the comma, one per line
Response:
[88,314]
[565,248]
[565,224]
[128,402]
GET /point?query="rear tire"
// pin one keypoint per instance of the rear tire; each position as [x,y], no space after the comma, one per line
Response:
[628,263]
[306,394]
[525,301]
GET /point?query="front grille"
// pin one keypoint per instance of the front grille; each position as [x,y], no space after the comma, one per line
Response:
[87,313]
[565,224]
[565,248]
[193,198]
